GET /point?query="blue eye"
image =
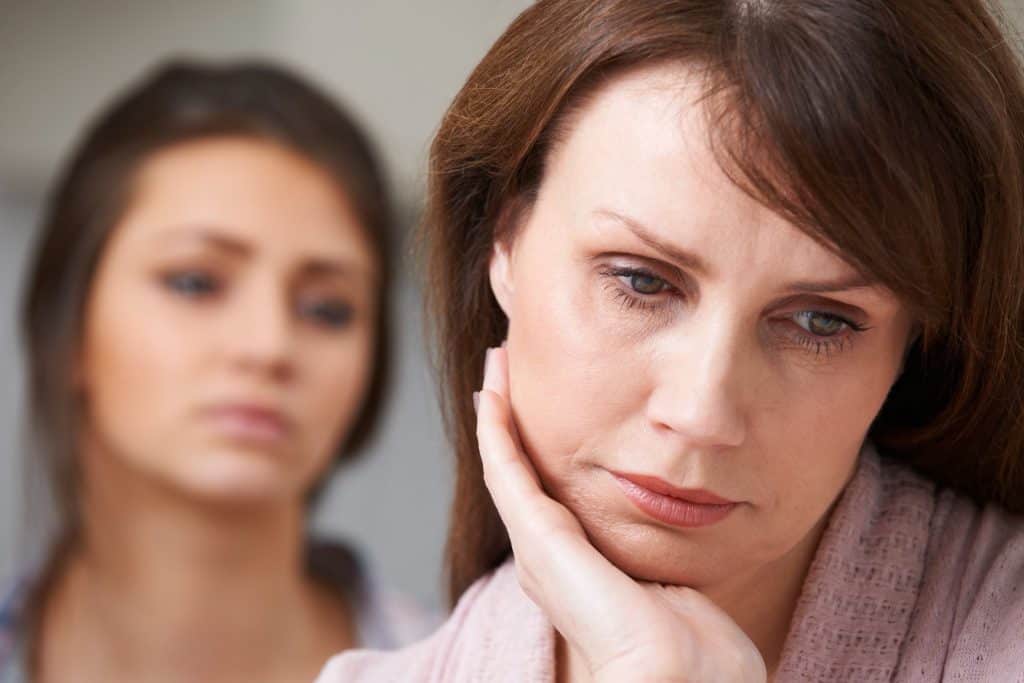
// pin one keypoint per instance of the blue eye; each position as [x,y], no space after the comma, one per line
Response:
[332,314]
[192,284]
[821,324]
[646,284]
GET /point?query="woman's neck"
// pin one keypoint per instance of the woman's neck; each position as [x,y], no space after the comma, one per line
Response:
[161,587]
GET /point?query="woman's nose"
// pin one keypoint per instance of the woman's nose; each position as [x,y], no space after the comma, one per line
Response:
[699,390]
[261,332]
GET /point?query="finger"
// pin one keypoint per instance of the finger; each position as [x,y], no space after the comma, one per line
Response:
[558,566]
[496,379]
[496,371]
[509,476]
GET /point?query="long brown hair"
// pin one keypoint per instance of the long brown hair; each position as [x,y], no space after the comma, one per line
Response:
[891,132]
[179,102]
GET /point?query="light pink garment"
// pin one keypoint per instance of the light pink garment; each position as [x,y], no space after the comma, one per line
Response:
[908,584]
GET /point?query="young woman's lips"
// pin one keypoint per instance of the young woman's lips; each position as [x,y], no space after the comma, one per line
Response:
[671,505]
[249,423]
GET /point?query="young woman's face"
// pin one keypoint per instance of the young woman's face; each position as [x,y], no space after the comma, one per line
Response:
[229,329]
[665,325]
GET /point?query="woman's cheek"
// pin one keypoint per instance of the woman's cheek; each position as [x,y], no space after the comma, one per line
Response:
[338,377]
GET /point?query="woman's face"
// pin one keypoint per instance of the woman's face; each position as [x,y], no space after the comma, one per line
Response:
[229,329]
[665,325]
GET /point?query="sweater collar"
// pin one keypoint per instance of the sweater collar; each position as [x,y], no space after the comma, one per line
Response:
[855,607]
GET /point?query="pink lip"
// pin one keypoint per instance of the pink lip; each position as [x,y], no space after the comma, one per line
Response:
[672,505]
[249,422]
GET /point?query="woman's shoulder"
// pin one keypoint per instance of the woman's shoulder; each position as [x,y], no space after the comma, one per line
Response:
[386,618]
[969,608]
[494,634]
[973,588]
[390,619]
[974,551]
[931,575]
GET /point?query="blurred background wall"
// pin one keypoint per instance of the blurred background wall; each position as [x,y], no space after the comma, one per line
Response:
[395,63]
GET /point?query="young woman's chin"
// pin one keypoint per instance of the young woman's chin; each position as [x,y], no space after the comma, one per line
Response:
[233,476]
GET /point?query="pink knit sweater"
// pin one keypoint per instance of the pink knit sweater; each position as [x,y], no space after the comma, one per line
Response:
[908,584]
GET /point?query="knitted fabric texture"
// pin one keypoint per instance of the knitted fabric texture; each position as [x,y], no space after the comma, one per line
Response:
[908,584]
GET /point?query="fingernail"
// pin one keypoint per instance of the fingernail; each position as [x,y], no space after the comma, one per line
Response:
[476,401]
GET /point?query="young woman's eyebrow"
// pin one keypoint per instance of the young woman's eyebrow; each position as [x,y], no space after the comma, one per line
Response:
[209,236]
[319,266]
[335,268]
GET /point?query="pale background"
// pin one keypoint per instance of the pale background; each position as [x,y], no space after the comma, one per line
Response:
[395,63]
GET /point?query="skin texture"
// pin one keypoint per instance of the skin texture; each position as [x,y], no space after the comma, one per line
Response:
[215,288]
[714,368]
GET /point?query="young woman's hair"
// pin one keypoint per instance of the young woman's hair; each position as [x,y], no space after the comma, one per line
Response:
[182,101]
[890,132]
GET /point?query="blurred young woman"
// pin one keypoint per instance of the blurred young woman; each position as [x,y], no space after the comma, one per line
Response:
[206,325]
[760,413]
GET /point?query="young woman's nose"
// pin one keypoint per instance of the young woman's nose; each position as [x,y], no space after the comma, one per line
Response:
[261,334]
[699,387]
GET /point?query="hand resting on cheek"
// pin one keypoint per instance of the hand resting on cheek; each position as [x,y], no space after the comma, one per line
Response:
[615,628]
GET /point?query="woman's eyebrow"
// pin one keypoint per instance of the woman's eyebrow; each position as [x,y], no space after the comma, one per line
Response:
[340,268]
[208,235]
[318,266]
[693,262]
[855,281]
[678,255]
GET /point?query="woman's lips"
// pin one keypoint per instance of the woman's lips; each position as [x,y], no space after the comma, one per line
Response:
[249,423]
[671,505]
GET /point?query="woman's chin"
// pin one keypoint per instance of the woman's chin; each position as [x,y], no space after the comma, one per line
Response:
[237,478]
[643,548]
[648,552]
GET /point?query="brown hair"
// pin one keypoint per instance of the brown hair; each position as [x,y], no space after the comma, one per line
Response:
[179,102]
[892,132]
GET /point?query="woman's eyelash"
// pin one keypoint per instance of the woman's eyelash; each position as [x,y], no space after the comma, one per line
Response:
[626,283]
[825,345]
[828,345]
[191,283]
[632,301]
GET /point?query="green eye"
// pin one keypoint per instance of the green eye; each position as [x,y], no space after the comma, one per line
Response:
[644,283]
[820,324]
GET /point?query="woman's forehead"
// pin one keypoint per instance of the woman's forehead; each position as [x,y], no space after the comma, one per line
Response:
[639,156]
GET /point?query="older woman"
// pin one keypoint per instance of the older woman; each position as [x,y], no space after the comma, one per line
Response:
[760,413]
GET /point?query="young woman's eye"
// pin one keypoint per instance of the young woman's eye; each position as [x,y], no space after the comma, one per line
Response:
[821,324]
[328,313]
[192,283]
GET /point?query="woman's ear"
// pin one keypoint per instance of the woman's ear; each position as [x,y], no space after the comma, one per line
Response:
[500,272]
[511,221]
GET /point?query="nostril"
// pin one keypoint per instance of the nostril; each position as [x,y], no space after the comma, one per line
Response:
[707,419]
